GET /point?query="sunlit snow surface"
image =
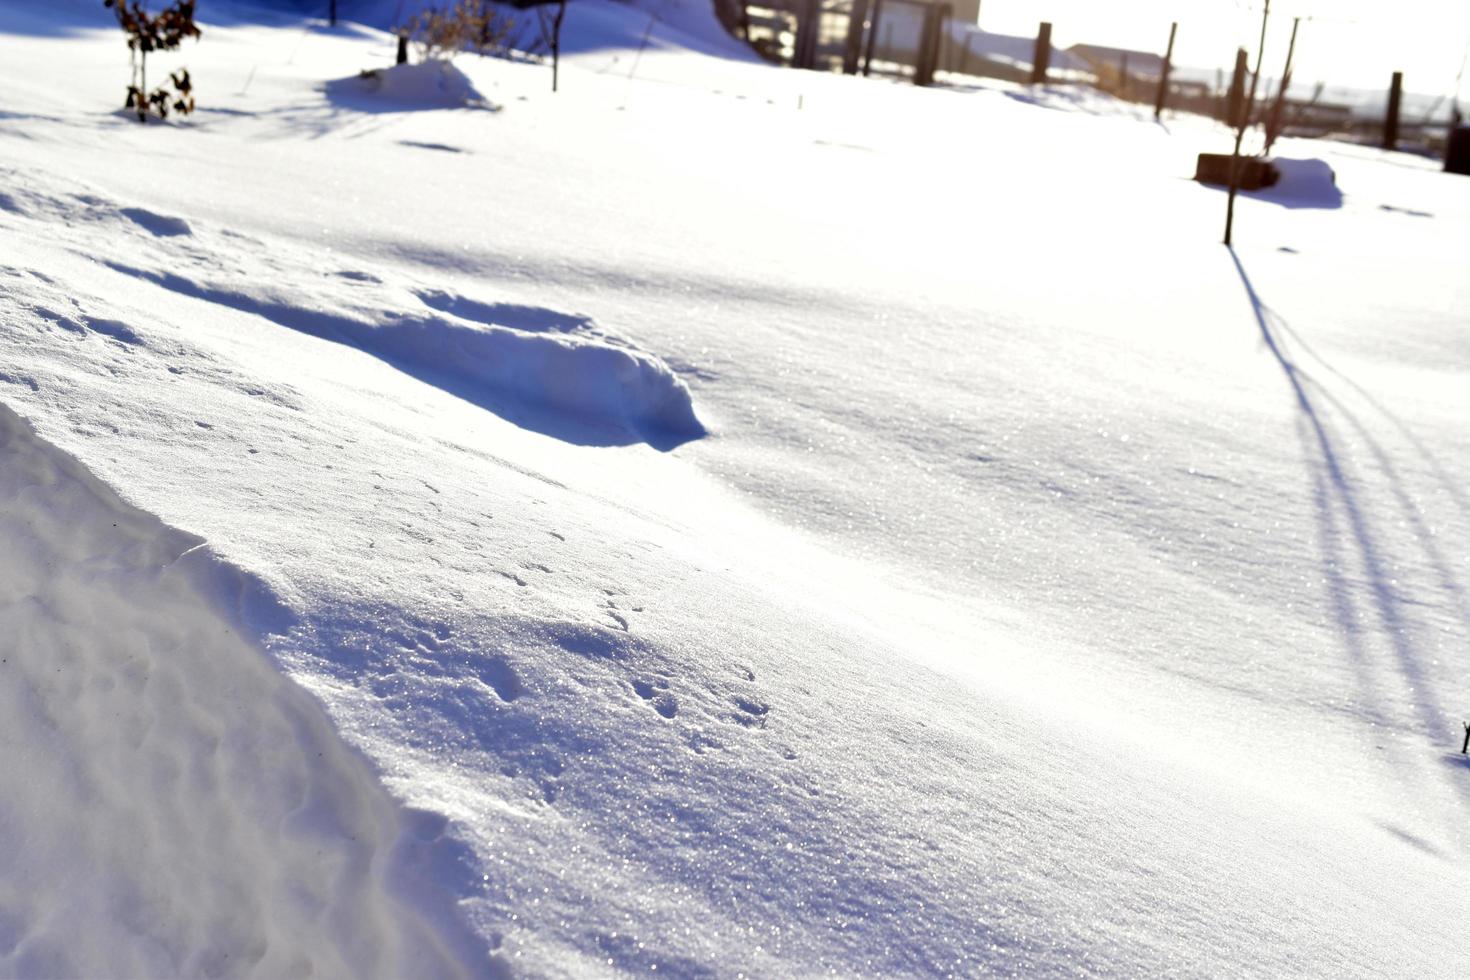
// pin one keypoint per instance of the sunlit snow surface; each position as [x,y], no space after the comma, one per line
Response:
[785,523]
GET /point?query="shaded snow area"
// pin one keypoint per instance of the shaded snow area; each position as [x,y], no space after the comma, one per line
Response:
[173,805]
[428,85]
[586,384]
[716,521]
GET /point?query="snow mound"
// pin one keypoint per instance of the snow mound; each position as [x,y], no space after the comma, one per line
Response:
[555,372]
[1309,183]
[584,390]
[186,810]
[428,85]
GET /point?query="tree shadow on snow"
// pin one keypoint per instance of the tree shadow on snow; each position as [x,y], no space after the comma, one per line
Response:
[1377,603]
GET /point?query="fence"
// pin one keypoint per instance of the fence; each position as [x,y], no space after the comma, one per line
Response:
[903,38]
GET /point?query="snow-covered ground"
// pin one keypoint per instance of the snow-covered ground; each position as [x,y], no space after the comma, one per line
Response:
[734,521]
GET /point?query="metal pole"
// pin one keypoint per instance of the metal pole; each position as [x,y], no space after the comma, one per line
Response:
[1245,118]
[1164,73]
[333,13]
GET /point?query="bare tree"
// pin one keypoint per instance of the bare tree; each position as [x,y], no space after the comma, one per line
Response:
[552,31]
[1276,118]
[549,17]
[1241,125]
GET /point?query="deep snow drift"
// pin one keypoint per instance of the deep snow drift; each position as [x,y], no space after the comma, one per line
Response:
[1030,586]
[174,806]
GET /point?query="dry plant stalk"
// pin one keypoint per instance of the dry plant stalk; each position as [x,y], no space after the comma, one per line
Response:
[441,33]
[163,31]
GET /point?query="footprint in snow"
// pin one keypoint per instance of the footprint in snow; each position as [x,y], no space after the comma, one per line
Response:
[658,695]
[751,713]
[157,225]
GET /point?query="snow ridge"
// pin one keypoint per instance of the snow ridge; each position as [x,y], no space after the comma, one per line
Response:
[187,810]
[554,372]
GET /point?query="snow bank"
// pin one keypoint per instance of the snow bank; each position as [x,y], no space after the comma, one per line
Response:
[1300,183]
[427,85]
[1115,642]
[552,371]
[185,809]
[1309,183]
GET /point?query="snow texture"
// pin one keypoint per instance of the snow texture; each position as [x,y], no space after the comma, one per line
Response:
[1030,585]
[182,809]
[426,85]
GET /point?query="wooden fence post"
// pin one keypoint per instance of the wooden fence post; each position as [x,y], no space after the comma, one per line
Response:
[931,42]
[1042,59]
[852,51]
[1164,73]
[1245,121]
[872,36]
[1391,121]
[808,24]
[1235,101]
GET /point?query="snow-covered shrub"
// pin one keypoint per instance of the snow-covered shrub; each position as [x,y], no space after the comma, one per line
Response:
[442,32]
[163,31]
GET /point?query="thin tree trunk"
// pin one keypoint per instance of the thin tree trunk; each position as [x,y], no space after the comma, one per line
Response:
[1245,121]
[561,12]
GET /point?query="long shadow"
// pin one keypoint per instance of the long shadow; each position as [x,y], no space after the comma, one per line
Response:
[1304,184]
[455,355]
[62,18]
[1451,487]
[1347,534]
[378,95]
[354,107]
[1326,201]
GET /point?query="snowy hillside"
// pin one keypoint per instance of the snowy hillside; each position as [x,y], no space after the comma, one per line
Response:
[714,521]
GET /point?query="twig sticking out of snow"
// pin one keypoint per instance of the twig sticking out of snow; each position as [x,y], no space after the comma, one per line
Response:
[633,70]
